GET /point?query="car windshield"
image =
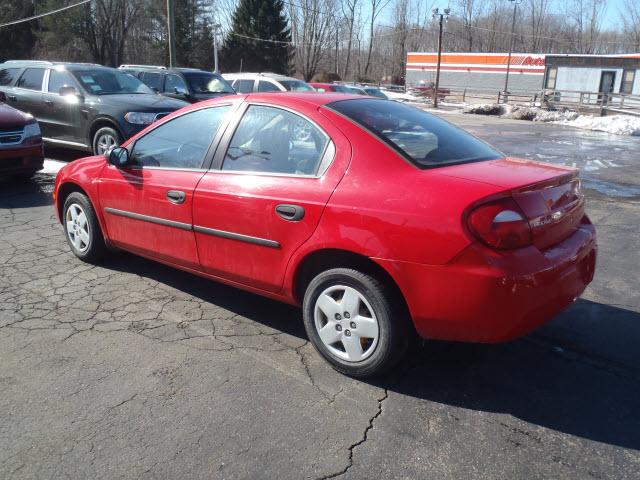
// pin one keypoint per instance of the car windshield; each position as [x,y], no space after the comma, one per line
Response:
[295,86]
[109,82]
[356,91]
[422,138]
[205,82]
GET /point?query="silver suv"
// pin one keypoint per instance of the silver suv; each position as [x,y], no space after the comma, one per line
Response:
[265,82]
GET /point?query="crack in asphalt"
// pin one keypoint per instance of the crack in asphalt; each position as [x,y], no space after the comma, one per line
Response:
[364,438]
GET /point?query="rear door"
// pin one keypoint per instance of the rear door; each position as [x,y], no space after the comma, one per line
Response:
[147,205]
[27,96]
[276,171]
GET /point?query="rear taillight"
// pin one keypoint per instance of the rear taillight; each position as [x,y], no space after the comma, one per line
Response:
[500,224]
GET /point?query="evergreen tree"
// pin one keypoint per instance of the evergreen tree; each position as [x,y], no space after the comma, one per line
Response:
[258,19]
[16,41]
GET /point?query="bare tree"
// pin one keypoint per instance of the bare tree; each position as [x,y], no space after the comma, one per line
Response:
[312,24]
[631,22]
[376,7]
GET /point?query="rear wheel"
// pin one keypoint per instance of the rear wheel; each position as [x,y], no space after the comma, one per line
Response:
[105,139]
[353,321]
[82,228]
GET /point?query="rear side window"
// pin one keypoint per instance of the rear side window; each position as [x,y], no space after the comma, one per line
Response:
[420,137]
[243,86]
[272,140]
[264,86]
[152,79]
[8,75]
[180,143]
[31,79]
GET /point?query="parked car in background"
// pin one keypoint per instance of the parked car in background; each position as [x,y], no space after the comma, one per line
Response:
[382,221]
[330,87]
[355,90]
[265,82]
[83,106]
[189,84]
[375,92]
[21,148]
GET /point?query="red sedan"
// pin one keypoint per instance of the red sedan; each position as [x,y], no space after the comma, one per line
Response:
[381,220]
[21,148]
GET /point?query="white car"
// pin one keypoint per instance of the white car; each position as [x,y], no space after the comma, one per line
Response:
[265,82]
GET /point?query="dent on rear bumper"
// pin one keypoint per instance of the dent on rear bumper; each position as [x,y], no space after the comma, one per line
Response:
[488,296]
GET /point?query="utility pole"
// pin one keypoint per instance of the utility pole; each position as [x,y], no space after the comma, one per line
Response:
[216,26]
[441,18]
[513,27]
[171,28]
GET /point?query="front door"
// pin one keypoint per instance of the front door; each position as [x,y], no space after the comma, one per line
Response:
[147,205]
[607,82]
[276,173]
[60,114]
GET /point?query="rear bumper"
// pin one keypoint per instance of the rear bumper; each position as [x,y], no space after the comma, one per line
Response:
[488,296]
[21,160]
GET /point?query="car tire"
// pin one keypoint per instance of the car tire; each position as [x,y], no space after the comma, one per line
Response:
[105,138]
[344,308]
[82,229]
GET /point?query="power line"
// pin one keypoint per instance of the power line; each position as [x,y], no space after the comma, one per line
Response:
[35,17]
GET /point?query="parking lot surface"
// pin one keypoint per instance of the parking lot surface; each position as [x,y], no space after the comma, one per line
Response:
[135,370]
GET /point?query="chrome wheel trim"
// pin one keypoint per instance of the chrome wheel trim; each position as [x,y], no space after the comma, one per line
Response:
[105,142]
[346,323]
[77,227]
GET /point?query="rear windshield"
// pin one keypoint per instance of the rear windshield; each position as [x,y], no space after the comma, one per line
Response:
[108,82]
[295,86]
[204,82]
[422,138]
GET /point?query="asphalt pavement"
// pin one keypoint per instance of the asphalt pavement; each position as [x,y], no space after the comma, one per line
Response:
[134,370]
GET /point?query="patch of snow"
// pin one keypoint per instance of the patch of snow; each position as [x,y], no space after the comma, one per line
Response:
[614,124]
[52,167]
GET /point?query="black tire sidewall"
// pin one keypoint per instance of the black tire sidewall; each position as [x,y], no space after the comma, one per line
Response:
[388,346]
[102,131]
[96,246]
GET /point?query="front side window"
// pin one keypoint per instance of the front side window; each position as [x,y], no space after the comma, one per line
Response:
[272,140]
[152,80]
[420,137]
[628,77]
[180,143]
[174,84]
[8,75]
[31,79]
[295,86]
[243,86]
[264,86]
[205,82]
[110,82]
[59,79]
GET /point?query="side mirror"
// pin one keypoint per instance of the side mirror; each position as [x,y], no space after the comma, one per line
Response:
[118,156]
[179,91]
[3,97]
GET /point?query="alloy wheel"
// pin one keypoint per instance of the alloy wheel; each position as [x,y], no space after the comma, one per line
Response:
[78,227]
[106,142]
[346,323]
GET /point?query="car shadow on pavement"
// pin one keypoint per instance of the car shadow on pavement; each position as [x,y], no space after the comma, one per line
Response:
[546,379]
[551,378]
[26,193]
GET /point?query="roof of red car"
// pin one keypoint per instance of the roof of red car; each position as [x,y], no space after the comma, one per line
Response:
[283,98]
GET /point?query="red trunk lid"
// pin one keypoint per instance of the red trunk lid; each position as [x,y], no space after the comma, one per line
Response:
[548,195]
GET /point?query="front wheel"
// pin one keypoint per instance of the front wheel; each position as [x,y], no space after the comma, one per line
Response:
[353,321]
[82,228]
[105,139]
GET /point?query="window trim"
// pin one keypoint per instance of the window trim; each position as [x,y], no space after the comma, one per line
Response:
[555,78]
[206,160]
[173,74]
[232,126]
[44,74]
[633,80]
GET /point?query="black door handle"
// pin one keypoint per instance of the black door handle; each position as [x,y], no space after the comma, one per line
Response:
[292,213]
[49,102]
[12,97]
[176,196]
